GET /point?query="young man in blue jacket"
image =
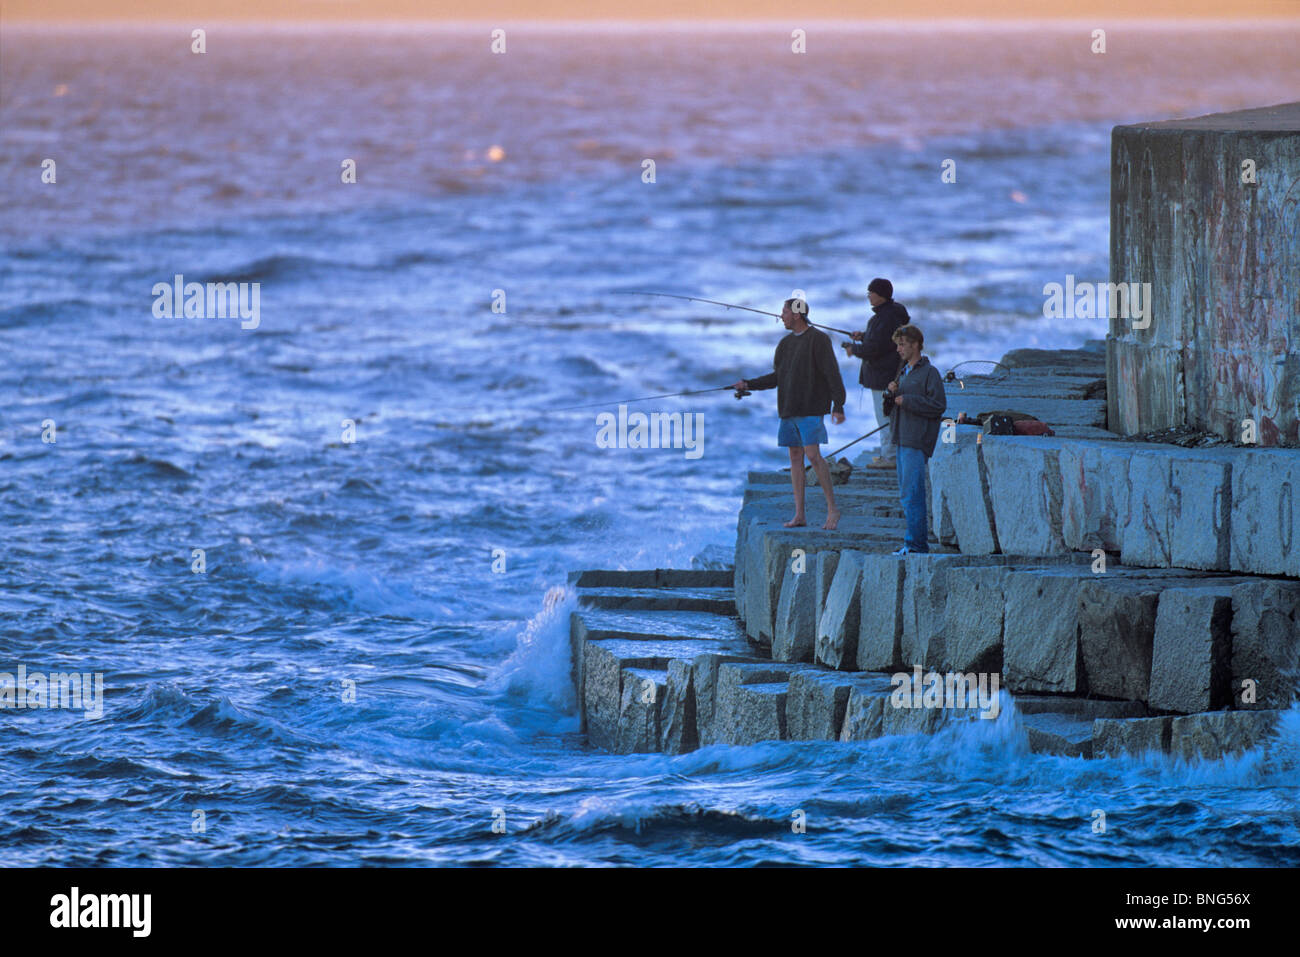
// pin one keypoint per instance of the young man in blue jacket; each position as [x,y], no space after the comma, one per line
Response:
[806,376]
[879,359]
[919,403]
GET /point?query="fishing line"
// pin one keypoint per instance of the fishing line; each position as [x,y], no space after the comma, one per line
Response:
[728,305]
[740,394]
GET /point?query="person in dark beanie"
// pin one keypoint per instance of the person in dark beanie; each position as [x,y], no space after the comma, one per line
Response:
[875,348]
[806,376]
[919,403]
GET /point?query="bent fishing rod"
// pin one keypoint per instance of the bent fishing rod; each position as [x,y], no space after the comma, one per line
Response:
[729,305]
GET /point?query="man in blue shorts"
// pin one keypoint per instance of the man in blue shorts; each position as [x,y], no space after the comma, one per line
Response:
[806,376]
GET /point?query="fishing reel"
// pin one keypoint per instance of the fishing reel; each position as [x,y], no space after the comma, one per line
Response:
[741,393]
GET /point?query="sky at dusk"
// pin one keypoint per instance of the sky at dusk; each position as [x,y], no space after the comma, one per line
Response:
[522,10]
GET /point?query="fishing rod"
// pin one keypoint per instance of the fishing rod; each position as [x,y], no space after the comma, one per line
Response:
[952,376]
[740,394]
[856,441]
[830,456]
[729,305]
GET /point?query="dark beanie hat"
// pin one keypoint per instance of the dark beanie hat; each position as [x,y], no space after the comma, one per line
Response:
[881,287]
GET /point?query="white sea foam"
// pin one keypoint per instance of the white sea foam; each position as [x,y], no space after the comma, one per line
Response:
[539,670]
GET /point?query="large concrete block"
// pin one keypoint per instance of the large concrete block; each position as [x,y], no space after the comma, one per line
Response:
[973,616]
[1117,624]
[735,721]
[1192,650]
[606,662]
[677,730]
[915,713]
[1218,343]
[1217,734]
[881,613]
[1024,480]
[639,710]
[1112,737]
[959,499]
[818,701]
[1179,508]
[1266,511]
[704,679]
[837,631]
[1200,487]
[864,714]
[1266,642]
[824,566]
[759,713]
[927,580]
[769,559]
[1063,735]
[796,627]
[1146,528]
[1094,490]
[770,554]
[1040,643]
[1085,709]
[741,561]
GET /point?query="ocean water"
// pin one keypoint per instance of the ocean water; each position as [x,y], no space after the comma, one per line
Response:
[362,561]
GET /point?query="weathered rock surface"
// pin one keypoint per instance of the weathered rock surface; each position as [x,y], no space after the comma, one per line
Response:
[973,616]
[837,631]
[1095,493]
[824,572]
[927,581]
[1192,650]
[1117,625]
[1064,735]
[1266,642]
[796,627]
[639,709]
[818,701]
[881,613]
[677,729]
[1088,709]
[1040,646]
[1266,511]
[1217,734]
[704,679]
[1024,482]
[959,498]
[864,714]
[1112,737]
[741,717]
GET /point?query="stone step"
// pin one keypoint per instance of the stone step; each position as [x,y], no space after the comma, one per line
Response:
[653,578]
[1211,735]
[1065,735]
[596,623]
[750,702]
[602,681]
[715,601]
[818,701]
[1084,709]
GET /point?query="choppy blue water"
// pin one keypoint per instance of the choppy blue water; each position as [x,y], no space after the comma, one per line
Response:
[330,561]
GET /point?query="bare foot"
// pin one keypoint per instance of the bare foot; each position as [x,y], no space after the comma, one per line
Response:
[832,520]
[796,522]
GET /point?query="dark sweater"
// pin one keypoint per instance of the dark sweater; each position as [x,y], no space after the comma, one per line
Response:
[876,350]
[915,423]
[806,376]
